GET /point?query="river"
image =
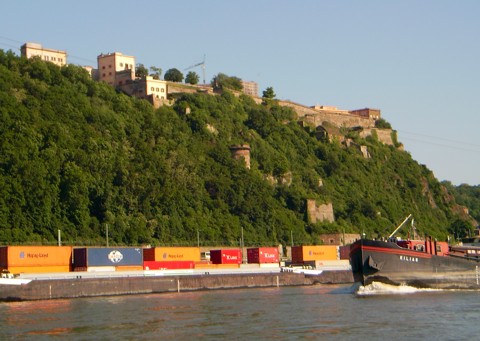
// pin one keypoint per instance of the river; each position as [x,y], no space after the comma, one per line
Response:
[292,313]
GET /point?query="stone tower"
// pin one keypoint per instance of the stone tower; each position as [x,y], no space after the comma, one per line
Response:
[241,152]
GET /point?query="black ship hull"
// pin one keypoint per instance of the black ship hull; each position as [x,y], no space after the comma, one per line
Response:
[386,262]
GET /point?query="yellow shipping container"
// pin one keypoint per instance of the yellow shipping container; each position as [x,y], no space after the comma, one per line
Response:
[311,253]
[172,254]
[38,269]
[35,256]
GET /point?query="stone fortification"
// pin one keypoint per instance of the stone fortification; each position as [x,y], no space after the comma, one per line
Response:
[384,135]
[317,213]
[336,117]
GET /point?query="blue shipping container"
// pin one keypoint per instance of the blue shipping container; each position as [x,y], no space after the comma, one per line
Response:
[103,256]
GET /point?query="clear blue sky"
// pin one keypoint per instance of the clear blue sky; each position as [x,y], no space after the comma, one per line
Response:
[417,61]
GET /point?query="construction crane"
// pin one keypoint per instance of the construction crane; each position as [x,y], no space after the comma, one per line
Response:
[202,64]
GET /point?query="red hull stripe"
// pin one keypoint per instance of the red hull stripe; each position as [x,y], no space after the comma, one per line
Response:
[397,251]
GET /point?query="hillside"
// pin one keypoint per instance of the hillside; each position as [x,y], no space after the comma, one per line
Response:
[76,156]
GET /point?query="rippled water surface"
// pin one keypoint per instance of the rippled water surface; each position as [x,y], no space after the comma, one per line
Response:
[312,313]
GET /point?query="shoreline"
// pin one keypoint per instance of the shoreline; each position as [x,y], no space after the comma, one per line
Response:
[48,289]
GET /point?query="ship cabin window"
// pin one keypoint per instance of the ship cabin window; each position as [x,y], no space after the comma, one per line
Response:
[420,247]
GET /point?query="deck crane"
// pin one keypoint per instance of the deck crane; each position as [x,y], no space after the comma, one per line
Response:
[202,64]
[399,226]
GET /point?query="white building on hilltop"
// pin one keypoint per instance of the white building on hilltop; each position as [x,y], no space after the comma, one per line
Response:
[57,57]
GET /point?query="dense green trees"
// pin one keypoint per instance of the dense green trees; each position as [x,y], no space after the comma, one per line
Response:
[173,75]
[76,156]
[222,81]
[192,78]
[268,93]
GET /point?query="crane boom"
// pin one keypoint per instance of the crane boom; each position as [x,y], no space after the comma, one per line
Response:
[202,64]
[399,226]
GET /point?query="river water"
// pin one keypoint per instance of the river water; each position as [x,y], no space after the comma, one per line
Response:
[292,313]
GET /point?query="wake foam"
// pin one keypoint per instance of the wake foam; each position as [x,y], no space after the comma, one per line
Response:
[378,288]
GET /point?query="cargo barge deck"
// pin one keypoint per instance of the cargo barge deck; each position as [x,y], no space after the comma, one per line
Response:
[77,285]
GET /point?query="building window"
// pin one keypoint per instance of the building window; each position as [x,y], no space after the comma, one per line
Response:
[103,67]
[158,90]
[103,75]
[121,64]
[152,88]
[109,73]
[162,90]
[110,66]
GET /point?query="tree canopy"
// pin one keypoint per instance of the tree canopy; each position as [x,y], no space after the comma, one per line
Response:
[268,93]
[76,155]
[173,75]
[192,78]
[222,81]
[141,71]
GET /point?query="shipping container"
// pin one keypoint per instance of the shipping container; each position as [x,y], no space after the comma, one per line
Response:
[263,255]
[203,266]
[39,269]
[101,269]
[344,252]
[168,265]
[341,264]
[302,254]
[172,254]
[129,268]
[105,256]
[226,256]
[26,256]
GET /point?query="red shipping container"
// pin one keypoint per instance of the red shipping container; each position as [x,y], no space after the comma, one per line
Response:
[228,256]
[261,255]
[168,265]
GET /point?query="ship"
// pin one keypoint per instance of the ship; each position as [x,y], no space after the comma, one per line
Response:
[419,263]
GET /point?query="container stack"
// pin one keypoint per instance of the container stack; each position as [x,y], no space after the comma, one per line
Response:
[226,258]
[36,259]
[93,259]
[170,258]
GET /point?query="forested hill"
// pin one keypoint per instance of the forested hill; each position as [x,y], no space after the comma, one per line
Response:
[75,155]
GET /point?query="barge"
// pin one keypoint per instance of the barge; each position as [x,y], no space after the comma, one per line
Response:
[87,285]
[423,264]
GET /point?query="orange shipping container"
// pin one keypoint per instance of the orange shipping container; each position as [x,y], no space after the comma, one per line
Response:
[172,254]
[302,254]
[28,256]
[38,269]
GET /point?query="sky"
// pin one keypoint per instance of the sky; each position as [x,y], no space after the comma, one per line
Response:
[416,61]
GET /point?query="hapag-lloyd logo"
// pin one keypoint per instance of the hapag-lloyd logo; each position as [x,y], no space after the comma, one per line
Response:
[115,256]
[316,253]
[269,255]
[230,257]
[167,255]
[24,255]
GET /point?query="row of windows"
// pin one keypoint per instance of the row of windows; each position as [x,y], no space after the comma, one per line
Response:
[127,66]
[157,89]
[53,59]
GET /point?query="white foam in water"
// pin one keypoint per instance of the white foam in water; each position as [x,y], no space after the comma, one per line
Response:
[377,288]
